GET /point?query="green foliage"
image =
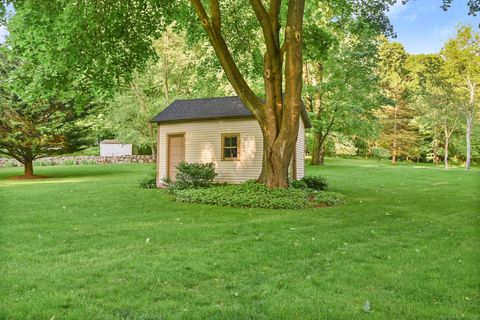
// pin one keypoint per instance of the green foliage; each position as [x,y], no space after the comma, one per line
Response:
[298,184]
[69,162]
[194,175]
[88,162]
[315,182]
[91,151]
[34,128]
[41,163]
[255,195]
[10,164]
[150,181]
[380,153]
[329,198]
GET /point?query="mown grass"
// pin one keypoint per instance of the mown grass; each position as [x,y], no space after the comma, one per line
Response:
[89,244]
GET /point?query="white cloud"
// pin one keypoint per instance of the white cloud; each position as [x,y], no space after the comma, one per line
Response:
[411,18]
[396,9]
[444,31]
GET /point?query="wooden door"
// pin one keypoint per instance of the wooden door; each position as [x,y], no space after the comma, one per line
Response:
[176,153]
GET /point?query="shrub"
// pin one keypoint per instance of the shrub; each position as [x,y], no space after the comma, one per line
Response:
[380,153]
[69,162]
[310,182]
[88,162]
[41,163]
[328,198]
[11,164]
[255,195]
[194,175]
[150,181]
[298,184]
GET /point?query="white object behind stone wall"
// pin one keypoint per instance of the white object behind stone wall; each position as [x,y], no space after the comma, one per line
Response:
[113,148]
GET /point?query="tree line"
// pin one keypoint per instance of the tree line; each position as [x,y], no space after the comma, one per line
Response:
[104,68]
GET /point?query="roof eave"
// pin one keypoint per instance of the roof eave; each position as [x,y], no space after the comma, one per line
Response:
[202,119]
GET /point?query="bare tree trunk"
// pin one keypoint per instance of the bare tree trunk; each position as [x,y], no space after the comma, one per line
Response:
[468,140]
[435,147]
[317,158]
[445,159]
[28,168]
[469,115]
[394,146]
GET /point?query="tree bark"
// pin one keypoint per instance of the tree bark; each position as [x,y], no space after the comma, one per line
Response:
[468,141]
[279,115]
[28,168]
[445,158]
[317,152]
[435,147]
[469,117]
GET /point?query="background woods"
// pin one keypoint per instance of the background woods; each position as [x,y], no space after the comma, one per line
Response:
[104,68]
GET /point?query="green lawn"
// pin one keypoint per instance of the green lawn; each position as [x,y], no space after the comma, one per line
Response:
[90,244]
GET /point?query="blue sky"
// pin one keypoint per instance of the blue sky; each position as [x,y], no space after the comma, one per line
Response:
[423,27]
[3,33]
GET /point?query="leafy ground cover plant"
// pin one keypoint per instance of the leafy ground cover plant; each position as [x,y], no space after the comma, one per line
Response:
[310,182]
[255,195]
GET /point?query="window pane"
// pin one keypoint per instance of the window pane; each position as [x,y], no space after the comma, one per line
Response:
[230,147]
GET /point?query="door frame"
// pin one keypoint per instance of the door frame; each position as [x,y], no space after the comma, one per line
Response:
[169,135]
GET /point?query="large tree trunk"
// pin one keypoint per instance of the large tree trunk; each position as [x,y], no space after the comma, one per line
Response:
[278,116]
[277,155]
[28,168]
[468,138]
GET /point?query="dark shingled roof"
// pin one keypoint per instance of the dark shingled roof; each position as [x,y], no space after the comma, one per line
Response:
[209,108]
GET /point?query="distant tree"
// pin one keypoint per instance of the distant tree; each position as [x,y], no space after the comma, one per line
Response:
[462,56]
[438,104]
[116,36]
[33,129]
[29,131]
[396,117]
[339,80]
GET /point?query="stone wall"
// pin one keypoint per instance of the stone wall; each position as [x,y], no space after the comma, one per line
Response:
[79,160]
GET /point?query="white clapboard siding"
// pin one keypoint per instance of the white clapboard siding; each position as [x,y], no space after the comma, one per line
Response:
[203,143]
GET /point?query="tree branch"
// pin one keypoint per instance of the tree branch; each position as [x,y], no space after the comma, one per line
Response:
[238,82]
[215,14]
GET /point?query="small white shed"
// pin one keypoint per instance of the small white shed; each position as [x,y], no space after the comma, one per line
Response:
[115,148]
[219,130]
